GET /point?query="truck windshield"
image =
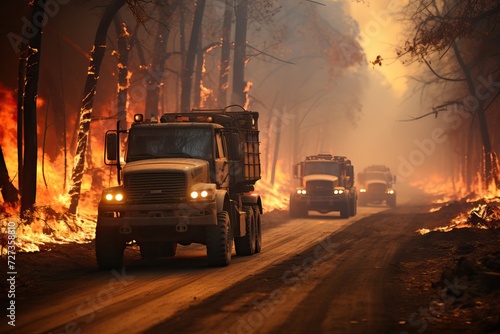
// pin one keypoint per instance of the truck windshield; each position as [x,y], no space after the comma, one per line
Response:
[329,168]
[372,176]
[170,142]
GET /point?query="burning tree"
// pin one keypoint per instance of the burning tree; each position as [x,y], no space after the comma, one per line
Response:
[28,92]
[88,101]
[458,43]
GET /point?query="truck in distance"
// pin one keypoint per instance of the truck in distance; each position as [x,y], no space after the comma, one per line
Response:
[326,184]
[376,186]
[186,178]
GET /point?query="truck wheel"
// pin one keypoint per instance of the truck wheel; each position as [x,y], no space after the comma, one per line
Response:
[246,245]
[220,241]
[258,230]
[391,201]
[304,212]
[353,206]
[293,208]
[344,211]
[362,199]
[108,249]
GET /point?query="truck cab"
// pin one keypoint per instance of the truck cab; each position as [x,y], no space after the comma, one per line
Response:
[326,184]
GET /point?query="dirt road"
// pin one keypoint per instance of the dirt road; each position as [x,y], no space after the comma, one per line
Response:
[322,274]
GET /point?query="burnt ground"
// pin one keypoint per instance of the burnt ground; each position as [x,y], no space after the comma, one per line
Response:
[450,281]
[440,282]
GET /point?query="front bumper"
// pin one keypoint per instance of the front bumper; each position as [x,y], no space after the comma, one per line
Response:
[332,203]
[179,215]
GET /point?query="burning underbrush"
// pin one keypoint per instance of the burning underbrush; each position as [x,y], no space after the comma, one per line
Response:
[485,214]
[45,227]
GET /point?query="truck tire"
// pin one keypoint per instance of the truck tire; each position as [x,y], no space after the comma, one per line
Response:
[362,199]
[344,211]
[391,201]
[246,245]
[353,206]
[220,241]
[292,208]
[258,229]
[297,209]
[108,249]
[153,250]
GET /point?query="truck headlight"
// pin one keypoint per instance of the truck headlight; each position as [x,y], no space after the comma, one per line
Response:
[199,194]
[362,190]
[203,191]
[338,191]
[390,192]
[301,191]
[113,196]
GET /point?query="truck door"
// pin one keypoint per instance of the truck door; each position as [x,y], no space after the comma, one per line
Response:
[221,162]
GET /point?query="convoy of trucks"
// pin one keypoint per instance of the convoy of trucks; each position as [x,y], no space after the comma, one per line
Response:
[189,178]
[186,178]
[326,184]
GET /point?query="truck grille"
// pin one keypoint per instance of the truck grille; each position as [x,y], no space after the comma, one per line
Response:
[155,188]
[319,188]
[377,188]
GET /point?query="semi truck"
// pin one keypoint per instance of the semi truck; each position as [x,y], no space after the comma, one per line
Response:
[184,178]
[377,186]
[326,184]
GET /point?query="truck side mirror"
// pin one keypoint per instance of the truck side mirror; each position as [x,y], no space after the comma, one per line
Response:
[350,171]
[297,171]
[111,146]
[394,179]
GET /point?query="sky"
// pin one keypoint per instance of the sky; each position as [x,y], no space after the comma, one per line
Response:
[382,31]
[413,150]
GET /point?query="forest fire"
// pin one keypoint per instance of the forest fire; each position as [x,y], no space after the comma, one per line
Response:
[48,222]
[485,215]
[275,195]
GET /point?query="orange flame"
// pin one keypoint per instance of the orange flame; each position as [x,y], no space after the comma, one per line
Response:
[49,224]
[275,196]
[451,190]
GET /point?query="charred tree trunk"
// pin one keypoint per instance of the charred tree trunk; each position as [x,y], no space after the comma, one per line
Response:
[198,74]
[483,125]
[225,54]
[182,42]
[9,192]
[240,40]
[188,68]
[21,81]
[123,74]
[276,147]
[154,79]
[88,101]
[28,190]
